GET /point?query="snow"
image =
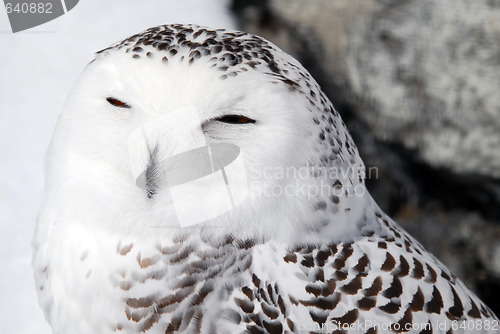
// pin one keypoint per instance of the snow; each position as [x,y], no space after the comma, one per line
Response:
[39,67]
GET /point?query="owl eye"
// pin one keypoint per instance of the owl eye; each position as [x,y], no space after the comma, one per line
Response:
[235,119]
[117,103]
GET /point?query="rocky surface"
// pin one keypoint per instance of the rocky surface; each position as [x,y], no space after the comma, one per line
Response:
[417,83]
[423,73]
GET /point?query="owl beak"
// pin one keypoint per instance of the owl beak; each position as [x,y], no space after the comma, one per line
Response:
[152,173]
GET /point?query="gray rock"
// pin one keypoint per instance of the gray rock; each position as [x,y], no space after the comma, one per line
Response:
[431,70]
[421,73]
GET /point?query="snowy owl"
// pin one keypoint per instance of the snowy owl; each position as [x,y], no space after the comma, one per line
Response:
[136,234]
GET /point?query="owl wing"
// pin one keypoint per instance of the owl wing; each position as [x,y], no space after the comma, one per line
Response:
[383,281]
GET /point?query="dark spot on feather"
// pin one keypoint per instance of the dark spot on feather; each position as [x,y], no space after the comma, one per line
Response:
[362,264]
[273,327]
[270,291]
[348,318]
[308,261]
[248,292]
[321,205]
[389,262]
[427,329]
[405,322]
[395,290]
[391,307]
[339,262]
[245,305]
[374,289]
[202,293]
[281,305]
[367,303]
[417,303]
[198,33]
[474,311]
[313,289]
[263,295]
[436,303]
[254,330]
[146,262]
[290,324]
[418,270]
[124,250]
[329,288]
[255,280]
[231,315]
[457,310]
[247,244]
[403,269]
[318,317]
[485,311]
[149,322]
[334,199]
[353,286]
[337,184]
[433,275]
[182,255]
[186,282]
[324,303]
[340,275]
[271,312]
[291,84]
[195,54]
[319,276]
[333,248]
[141,302]
[276,291]
[256,319]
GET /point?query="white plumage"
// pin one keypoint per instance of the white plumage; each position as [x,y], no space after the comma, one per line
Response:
[308,250]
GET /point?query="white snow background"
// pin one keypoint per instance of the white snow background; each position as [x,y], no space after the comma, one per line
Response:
[38,67]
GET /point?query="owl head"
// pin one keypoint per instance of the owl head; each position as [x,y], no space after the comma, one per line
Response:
[182,128]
